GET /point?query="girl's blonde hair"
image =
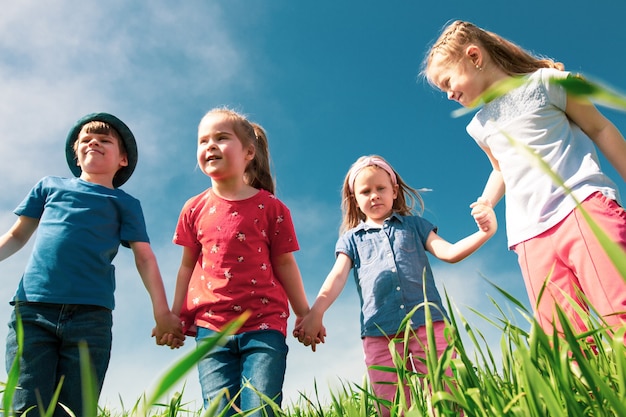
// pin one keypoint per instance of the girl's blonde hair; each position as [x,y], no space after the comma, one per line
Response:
[511,58]
[258,172]
[404,204]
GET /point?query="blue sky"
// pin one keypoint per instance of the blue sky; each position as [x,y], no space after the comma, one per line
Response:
[329,80]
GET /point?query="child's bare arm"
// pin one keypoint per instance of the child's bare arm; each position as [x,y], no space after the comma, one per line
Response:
[166,321]
[17,236]
[455,252]
[310,329]
[288,273]
[601,131]
[185,270]
[494,187]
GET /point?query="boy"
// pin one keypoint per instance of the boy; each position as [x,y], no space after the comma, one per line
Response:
[66,293]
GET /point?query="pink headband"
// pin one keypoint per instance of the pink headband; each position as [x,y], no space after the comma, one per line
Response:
[368,162]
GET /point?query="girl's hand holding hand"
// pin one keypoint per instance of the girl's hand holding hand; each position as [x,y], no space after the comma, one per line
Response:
[169,331]
[168,339]
[484,216]
[309,330]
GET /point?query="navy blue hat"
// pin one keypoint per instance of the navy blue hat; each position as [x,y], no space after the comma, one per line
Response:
[127,136]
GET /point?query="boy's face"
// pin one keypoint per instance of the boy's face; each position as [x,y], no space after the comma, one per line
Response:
[99,156]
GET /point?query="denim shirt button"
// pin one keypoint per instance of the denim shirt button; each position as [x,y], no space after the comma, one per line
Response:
[398,288]
[401,306]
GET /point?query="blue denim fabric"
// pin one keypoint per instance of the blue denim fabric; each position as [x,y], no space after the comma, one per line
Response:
[259,357]
[52,333]
[390,267]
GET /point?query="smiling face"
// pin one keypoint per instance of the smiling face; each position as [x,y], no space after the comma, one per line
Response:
[375,193]
[100,156]
[221,154]
[460,80]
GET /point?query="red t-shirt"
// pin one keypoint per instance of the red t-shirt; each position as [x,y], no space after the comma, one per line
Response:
[236,240]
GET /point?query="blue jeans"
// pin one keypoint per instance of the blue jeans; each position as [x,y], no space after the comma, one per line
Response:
[259,357]
[52,333]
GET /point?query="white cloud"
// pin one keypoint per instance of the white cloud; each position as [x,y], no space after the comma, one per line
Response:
[139,62]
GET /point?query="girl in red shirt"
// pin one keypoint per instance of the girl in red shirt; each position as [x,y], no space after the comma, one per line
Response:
[238,241]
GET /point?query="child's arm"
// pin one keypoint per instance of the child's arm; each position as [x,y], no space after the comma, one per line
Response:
[310,328]
[452,253]
[187,265]
[286,269]
[601,131]
[287,272]
[166,321]
[17,236]
[185,270]
[494,188]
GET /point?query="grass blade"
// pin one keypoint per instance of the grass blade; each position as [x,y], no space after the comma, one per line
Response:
[187,362]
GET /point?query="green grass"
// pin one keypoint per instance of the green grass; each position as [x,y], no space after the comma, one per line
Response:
[537,374]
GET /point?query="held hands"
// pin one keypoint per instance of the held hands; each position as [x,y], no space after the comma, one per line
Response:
[309,330]
[484,216]
[169,331]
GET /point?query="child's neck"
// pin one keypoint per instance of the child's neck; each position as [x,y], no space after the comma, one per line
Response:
[103,180]
[493,75]
[233,191]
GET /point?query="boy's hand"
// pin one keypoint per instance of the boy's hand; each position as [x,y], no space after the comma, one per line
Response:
[169,330]
[168,339]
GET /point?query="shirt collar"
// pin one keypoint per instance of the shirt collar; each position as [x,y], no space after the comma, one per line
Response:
[362,226]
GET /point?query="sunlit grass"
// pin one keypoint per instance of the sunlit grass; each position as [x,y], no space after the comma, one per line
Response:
[529,373]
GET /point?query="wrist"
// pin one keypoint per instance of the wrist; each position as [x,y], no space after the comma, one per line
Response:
[161,312]
[317,310]
[302,311]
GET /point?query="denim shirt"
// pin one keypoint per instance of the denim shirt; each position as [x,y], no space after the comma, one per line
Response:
[390,267]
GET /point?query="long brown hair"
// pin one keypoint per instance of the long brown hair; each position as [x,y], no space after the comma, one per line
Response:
[258,172]
[508,56]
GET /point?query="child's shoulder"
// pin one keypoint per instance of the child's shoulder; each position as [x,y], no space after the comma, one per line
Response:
[53,183]
[546,76]
[267,199]
[55,179]
[416,221]
[198,198]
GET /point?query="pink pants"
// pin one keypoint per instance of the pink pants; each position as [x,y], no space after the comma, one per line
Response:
[377,353]
[571,256]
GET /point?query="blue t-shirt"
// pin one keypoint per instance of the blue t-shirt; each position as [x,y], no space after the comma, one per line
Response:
[81,226]
[390,265]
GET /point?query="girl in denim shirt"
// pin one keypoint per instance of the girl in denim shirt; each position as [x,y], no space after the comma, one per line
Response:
[385,242]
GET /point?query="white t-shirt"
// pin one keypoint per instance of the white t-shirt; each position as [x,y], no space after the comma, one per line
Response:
[534,115]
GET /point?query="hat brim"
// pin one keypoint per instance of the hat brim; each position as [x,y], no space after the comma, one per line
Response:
[127,136]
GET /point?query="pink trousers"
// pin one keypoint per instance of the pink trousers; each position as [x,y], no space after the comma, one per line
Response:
[570,262]
[376,349]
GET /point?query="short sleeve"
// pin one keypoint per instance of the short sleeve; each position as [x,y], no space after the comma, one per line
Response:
[34,203]
[556,93]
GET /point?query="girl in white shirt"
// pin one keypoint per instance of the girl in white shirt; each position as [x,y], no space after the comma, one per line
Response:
[554,243]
